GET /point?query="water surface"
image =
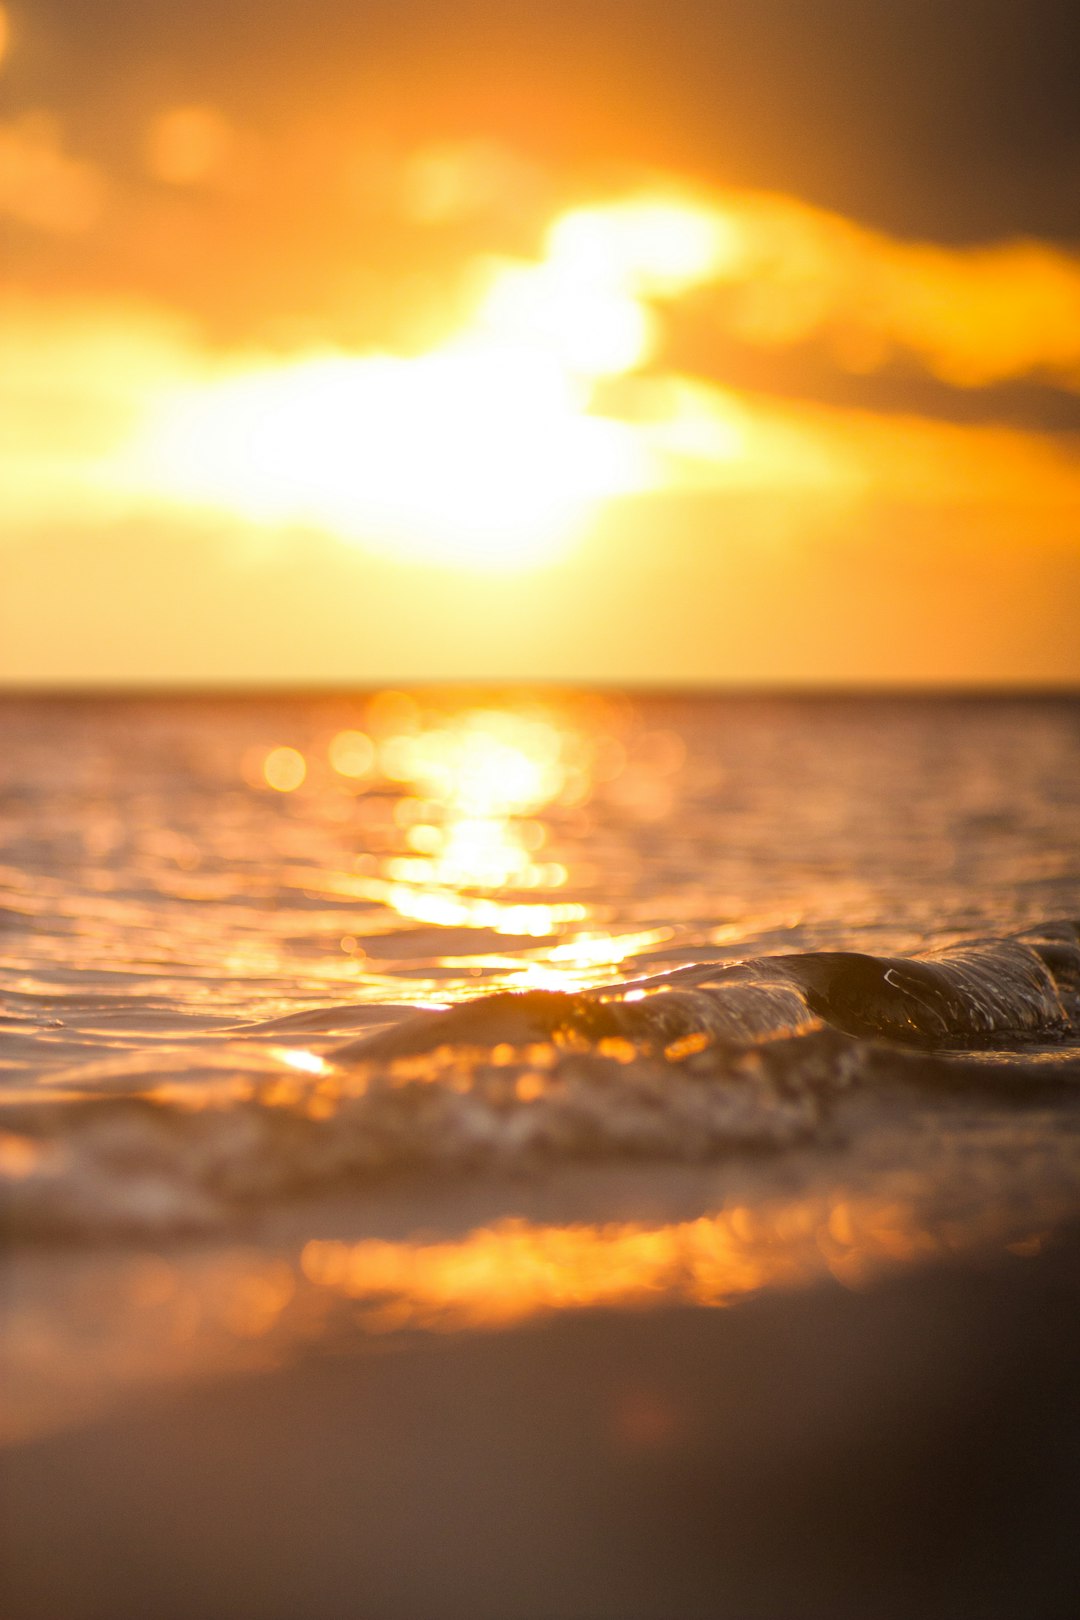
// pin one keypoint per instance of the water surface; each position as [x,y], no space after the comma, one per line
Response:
[245,1107]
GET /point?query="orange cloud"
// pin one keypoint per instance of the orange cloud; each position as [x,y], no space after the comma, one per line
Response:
[450,181]
[40,185]
[715,439]
[191,145]
[971,316]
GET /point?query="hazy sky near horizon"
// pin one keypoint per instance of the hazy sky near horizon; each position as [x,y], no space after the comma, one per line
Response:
[713,340]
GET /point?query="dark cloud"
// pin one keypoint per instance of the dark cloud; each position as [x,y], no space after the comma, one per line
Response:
[809,371]
[952,119]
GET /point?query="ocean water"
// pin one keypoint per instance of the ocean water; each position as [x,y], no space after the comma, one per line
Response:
[325,1019]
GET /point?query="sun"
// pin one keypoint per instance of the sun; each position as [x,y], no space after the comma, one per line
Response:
[478,452]
[485,451]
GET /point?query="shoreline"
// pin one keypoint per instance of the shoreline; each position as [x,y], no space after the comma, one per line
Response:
[911,1446]
[903,1179]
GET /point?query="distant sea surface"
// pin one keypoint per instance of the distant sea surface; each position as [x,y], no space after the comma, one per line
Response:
[179,871]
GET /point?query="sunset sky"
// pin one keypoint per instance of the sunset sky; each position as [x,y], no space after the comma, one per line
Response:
[702,341]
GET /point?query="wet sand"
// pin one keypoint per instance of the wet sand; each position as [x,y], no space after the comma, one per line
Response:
[911,1447]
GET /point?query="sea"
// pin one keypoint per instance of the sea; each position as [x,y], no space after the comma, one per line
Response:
[336,1023]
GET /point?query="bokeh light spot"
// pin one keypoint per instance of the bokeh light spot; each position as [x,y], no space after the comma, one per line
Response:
[284,769]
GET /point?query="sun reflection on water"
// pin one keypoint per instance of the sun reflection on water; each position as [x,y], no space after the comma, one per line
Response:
[186,1316]
[513,1270]
[474,815]
[475,795]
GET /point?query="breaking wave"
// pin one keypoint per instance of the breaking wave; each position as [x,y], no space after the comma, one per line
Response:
[706,1060]
[995,993]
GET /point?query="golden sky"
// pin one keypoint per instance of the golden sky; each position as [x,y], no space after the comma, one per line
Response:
[693,343]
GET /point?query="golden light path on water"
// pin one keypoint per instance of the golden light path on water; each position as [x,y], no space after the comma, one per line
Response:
[470,832]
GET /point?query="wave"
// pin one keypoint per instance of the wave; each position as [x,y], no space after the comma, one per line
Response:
[706,1060]
[991,994]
